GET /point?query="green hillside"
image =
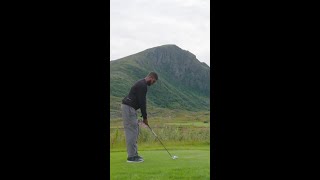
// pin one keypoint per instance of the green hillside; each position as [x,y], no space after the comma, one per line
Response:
[184,82]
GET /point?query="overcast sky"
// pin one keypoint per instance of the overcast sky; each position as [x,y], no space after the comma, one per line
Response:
[137,25]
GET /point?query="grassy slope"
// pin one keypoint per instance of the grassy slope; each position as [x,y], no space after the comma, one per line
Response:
[154,112]
[161,116]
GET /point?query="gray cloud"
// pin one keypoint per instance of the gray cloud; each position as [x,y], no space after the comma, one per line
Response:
[136,25]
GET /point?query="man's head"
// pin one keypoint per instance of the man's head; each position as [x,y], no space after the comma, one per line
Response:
[151,78]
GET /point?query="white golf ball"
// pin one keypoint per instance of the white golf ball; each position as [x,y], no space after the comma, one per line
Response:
[174,157]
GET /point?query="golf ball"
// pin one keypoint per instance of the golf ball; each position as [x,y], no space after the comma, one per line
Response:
[174,157]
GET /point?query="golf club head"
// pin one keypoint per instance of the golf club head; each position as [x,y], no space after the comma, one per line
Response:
[175,157]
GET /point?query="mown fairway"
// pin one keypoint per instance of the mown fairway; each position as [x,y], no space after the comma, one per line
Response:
[191,164]
[185,134]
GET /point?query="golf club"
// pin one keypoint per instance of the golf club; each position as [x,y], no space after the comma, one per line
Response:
[173,157]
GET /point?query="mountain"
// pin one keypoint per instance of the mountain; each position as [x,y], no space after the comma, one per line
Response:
[184,82]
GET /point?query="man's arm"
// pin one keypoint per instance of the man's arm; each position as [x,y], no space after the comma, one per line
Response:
[142,93]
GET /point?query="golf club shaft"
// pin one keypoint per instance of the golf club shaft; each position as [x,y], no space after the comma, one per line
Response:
[159,140]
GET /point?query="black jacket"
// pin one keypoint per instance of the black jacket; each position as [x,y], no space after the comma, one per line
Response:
[137,97]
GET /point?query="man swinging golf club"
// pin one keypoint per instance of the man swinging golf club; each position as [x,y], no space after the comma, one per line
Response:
[136,99]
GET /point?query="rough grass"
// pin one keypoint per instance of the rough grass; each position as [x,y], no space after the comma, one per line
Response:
[167,134]
[196,124]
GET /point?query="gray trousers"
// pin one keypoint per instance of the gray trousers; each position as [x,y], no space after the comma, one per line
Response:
[131,129]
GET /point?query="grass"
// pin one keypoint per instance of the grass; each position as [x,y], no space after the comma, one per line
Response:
[184,134]
[195,124]
[191,164]
[159,116]
[170,134]
[170,145]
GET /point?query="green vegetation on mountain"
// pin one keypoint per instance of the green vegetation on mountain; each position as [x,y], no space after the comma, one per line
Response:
[183,85]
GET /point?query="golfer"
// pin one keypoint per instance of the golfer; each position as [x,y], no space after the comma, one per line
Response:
[136,99]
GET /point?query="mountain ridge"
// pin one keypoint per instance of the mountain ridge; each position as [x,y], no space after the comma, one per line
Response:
[184,81]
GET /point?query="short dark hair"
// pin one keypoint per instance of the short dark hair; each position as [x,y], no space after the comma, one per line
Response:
[154,75]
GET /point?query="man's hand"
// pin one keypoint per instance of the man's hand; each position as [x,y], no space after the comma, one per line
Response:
[145,120]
